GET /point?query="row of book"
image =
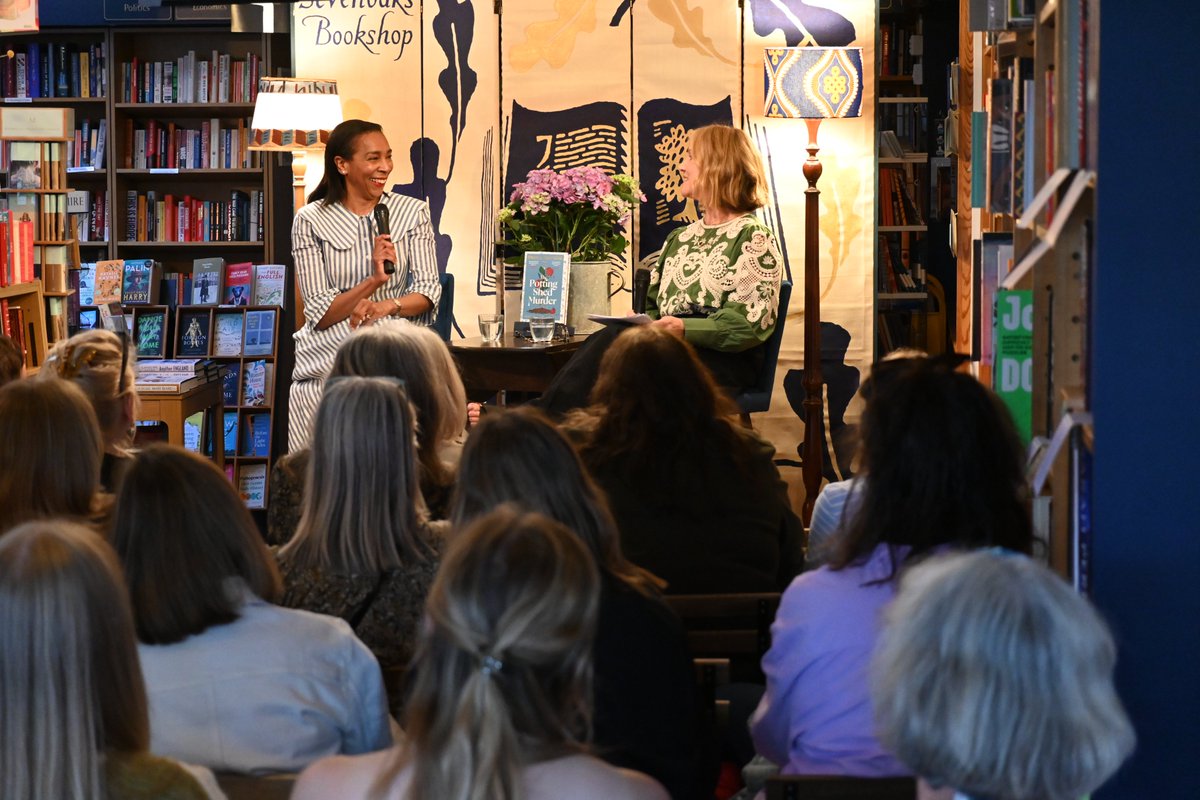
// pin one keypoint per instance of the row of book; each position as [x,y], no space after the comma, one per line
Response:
[211,145]
[1013,115]
[901,327]
[898,271]
[150,217]
[88,212]
[54,69]
[250,478]
[900,46]
[86,151]
[190,332]
[908,121]
[211,282]
[34,165]
[216,79]
[13,325]
[898,193]
[17,235]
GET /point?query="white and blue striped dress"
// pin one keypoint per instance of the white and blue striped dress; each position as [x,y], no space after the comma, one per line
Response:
[332,247]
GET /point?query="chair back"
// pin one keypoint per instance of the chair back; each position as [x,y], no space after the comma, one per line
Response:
[445,309]
[758,397]
[839,787]
[736,627]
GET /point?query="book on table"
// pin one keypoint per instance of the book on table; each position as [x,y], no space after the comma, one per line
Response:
[544,287]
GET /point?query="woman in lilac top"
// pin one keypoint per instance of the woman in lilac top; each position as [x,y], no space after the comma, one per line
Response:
[946,472]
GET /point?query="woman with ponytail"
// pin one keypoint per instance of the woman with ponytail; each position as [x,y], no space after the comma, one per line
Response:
[499,706]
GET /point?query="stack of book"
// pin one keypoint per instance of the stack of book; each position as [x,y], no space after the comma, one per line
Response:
[174,375]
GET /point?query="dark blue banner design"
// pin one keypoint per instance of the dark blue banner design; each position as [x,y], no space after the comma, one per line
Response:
[585,136]
[454,30]
[426,185]
[801,23]
[663,126]
[841,382]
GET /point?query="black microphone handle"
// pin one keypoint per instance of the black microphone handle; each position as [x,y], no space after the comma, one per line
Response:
[641,286]
[381,221]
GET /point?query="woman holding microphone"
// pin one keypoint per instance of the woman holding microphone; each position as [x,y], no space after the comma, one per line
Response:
[362,255]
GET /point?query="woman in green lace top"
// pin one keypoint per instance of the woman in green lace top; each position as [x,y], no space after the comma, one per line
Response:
[716,282]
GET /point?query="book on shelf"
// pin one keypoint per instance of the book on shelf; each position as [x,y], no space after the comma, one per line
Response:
[228,338]
[208,276]
[110,276]
[158,384]
[25,165]
[89,318]
[1000,177]
[256,435]
[194,333]
[252,484]
[183,367]
[142,280]
[269,282]
[259,332]
[8,266]
[230,433]
[256,384]
[193,431]
[239,284]
[150,335]
[230,381]
[87,283]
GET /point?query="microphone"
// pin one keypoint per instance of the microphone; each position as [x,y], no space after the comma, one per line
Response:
[641,285]
[381,221]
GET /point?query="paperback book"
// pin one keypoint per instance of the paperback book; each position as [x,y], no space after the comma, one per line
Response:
[544,286]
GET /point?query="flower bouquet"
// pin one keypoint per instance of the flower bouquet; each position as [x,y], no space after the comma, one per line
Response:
[582,211]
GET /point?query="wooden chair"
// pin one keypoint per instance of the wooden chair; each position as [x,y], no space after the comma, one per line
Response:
[253,787]
[731,626]
[444,323]
[839,787]
[712,674]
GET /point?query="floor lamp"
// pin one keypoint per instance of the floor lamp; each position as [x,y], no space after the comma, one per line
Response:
[812,84]
[295,115]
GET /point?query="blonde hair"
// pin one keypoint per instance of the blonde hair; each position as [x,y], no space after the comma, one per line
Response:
[502,672]
[92,361]
[417,356]
[731,172]
[70,683]
[995,678]
[362,509]
[50,452]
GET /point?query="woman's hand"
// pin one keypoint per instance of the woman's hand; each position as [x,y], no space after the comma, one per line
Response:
[367,312]
[384,251]
[673,324]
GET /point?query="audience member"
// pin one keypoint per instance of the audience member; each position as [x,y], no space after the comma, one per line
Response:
[416,355]
[499,706]
[946,471]
[995,679]
[364,550]
[74,722]
[235,682]
[838,502]
[99,363]
[50,450]
[645,703]
[697,498]
[12,364]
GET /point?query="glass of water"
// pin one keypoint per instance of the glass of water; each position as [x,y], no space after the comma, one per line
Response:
[541,331]
[491,328]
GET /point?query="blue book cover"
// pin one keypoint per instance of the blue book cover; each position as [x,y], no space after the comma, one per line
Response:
[229,384]
[231,433]
[544,285]
[256,435]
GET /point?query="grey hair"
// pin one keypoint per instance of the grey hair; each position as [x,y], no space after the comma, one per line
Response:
[70,683]
[417,356]
[362,511]
[995,678]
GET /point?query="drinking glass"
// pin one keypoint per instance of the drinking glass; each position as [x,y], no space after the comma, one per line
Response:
[491,328]
[541,331]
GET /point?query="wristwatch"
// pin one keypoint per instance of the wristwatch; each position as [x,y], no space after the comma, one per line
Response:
[399,306]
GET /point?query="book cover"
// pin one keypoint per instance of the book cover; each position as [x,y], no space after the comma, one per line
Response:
[88,283]
[193,431]
[109,278]
[260,333]
[229,384]
[228,339]
[89,318]
[254,385]
[141,282]
[252,484]
[25,165]
[256,435]
[544,284]
[239,284]
[230,433]
[268,284]
[1000,177]
[207,277]
[1012,377]
[150,334]
[979,120]
[194,334]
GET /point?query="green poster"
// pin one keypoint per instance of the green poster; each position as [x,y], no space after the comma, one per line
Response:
[1013,373]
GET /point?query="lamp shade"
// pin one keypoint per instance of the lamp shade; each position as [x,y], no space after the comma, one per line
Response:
[813,82]
[294,113]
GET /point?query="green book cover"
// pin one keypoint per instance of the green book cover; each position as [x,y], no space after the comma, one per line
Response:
[1013,374]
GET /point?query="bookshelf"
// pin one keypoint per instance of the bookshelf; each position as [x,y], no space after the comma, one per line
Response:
[1026,175]
[902,299]
[22,316]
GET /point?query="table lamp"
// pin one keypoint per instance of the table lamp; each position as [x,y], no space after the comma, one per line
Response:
[294,115]
[812,84]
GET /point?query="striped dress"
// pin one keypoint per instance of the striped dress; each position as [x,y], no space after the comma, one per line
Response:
[332,247]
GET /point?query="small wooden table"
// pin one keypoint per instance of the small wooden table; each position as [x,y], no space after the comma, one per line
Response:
[513,364]
[172,408]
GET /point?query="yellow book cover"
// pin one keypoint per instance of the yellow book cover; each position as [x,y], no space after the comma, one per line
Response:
[109,275]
